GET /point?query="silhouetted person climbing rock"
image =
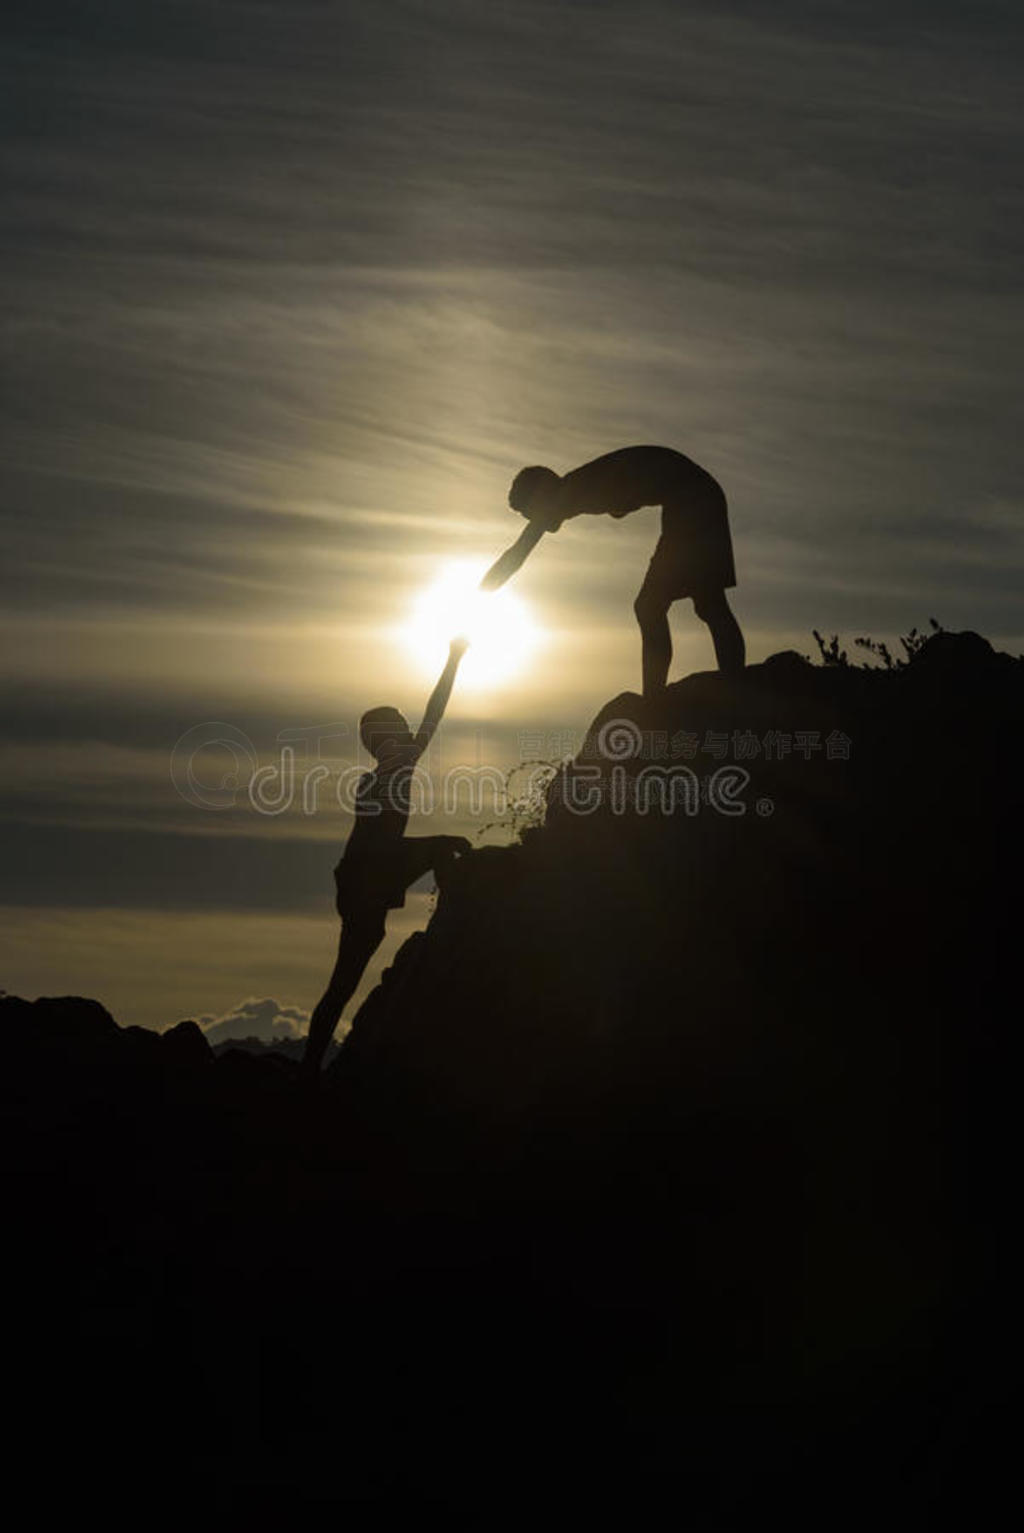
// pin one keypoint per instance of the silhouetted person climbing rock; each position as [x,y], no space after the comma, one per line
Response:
[379,862]
[693,556]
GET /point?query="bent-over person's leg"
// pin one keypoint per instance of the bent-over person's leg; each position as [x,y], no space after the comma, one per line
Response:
[361,936]
[651,608]
[712,607]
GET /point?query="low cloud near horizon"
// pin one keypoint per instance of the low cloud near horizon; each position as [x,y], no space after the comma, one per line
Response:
[262,1018]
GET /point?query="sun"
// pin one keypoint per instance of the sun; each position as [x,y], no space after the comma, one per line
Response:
[498,624]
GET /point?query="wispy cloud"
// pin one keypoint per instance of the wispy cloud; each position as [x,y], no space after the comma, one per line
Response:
[291,290]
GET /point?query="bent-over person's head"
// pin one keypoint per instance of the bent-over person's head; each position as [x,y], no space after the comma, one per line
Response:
[534,494]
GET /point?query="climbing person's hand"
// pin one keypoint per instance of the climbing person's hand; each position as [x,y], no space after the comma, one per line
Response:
[458,646]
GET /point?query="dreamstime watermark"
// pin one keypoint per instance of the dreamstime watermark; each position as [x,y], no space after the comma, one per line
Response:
[624,769]
[655,789]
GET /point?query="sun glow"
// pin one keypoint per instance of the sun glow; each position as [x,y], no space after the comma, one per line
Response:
[498,624]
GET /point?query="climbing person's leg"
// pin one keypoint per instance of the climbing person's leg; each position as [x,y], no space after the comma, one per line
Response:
[712,607]
[425,854]
[651,608]
[446,854]
[361,936]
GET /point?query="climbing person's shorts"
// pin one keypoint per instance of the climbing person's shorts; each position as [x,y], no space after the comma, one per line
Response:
[378,883]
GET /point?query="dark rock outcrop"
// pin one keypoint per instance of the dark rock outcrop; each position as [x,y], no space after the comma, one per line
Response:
[669,1159]
[186,1046]
[830,875]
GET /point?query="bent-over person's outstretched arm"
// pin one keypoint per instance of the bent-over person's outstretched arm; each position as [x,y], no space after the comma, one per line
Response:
[513,558]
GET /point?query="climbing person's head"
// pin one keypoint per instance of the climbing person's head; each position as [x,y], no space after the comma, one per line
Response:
[534,494]
[383,731]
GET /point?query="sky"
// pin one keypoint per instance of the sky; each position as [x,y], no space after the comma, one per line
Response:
[290,292]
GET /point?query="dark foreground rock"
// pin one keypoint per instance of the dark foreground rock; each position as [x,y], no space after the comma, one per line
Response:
[667,1162]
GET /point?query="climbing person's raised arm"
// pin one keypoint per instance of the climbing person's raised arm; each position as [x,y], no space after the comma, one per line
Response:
[513,558]
[438,700]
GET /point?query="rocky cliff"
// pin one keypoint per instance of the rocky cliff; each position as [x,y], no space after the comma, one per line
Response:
[669,1160]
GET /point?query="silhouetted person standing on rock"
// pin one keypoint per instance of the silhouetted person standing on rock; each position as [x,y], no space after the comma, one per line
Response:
[693,556]
[379,862]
